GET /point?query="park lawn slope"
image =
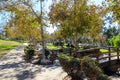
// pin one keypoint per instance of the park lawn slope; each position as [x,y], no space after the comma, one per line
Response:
[7,45]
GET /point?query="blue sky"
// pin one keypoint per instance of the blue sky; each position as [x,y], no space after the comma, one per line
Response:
[4,16]
[46,5]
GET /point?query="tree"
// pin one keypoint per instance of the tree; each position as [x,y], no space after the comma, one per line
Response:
[23,26]
[25,21]
[76,17]
[115,8]
[110,32]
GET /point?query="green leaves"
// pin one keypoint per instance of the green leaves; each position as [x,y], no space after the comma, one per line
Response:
[115,41]
[86,64]
[76,18]
[24,21]
[115,8]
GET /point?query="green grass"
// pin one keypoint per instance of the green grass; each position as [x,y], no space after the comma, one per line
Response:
[6,46]
[9,42]
[104,50]
[53,47]
[65,46]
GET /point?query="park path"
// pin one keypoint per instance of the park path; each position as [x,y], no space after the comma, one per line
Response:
[13,67]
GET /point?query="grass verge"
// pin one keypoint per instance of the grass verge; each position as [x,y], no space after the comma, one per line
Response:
[6,46]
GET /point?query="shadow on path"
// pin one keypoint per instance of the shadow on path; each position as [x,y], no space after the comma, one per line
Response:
[19,48]
[27,74]
[7,66]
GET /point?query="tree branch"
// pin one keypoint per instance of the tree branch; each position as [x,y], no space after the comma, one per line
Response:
[33,11]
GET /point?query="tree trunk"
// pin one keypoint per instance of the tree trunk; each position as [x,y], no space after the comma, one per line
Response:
[76,40]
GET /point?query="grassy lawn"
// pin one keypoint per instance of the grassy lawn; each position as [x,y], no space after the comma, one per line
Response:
[53,47]
[6,46]
[104,50]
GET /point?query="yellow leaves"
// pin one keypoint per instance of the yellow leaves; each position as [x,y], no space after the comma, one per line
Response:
[76,19]
[25,21]
[59,11]
[115,8]
[25,25]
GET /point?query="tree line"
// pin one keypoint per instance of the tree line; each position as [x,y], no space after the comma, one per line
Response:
[73,18]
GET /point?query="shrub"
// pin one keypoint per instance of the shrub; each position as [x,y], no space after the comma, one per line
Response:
[68,62]
[74,67]
[29,52]
[102,77]
[115,41]
[70,65]
[92,70]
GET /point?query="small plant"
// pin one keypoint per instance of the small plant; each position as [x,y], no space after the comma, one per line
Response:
[29,52]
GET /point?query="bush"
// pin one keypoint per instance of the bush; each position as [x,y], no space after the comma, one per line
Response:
[68,62]
[29,52]
[70,65]
[115,41]
[74,67]
[92,70]
[102,77]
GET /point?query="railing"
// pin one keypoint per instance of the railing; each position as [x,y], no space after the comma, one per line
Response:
[109,55]
[100,57]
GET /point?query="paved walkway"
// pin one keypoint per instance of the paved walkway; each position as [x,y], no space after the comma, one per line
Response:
[13,67]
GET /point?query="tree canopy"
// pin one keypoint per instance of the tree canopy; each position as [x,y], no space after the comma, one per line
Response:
[76,17]
[25,21]
[114,6]
[73,18]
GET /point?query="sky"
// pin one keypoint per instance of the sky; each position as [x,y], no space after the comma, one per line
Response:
[4,16]
[46,7]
